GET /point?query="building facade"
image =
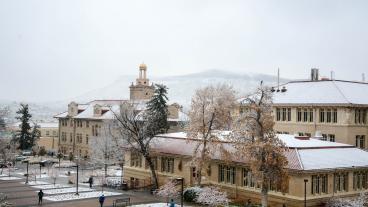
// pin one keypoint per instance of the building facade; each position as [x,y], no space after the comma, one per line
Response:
[331,170]
[333,110]
[83,122]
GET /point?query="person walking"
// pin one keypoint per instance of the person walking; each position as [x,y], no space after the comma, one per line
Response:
[90,181]
[172,203]
[101,199]
[40,196]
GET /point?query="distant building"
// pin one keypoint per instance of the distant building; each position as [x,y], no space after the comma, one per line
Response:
[334,110]
[331,170]
[83,122]
[49,137]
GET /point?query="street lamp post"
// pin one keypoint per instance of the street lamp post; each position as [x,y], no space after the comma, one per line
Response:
[77,193]
[27,171]
[305,192]
[182,190]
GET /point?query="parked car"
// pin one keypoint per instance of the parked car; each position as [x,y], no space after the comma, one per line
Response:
[27,153]
[20,158]
[45,163]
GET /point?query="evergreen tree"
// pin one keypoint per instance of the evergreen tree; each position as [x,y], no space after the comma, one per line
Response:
[25,136]
[157,110]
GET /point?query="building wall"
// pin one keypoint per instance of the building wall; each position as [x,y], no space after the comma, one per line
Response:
[294,197]
[141,92]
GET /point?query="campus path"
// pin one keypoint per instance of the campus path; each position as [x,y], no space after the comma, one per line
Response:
[22,195]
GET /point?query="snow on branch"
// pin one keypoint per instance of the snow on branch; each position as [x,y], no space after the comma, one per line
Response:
[169,190]
[212,196]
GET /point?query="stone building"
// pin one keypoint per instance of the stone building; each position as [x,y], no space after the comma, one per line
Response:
[49,135]
[83,122]
[330,169]
[334,110]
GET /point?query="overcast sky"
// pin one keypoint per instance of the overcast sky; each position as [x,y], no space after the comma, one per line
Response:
[52,50]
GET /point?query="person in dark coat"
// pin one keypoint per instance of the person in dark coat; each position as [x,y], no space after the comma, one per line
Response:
[101,199]
[172,203]
[90,181]
[40,196]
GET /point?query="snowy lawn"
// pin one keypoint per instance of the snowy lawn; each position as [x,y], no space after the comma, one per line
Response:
[66,190]
[10,178]
[72,196]
[51,186]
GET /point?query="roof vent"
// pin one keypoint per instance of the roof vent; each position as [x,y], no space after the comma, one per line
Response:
[302,137]
[283,89]
[273,89]
[314,74]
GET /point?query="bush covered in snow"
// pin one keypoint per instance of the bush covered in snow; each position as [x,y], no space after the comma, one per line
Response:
[360,201]
[212,196]
[191,193]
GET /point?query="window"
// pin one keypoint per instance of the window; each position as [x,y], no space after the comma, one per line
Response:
[278,114]
[299,115]
[334,116]
[79,138]
[360,180]
[87,138]
[310,115]
[328,116]
[324,137]
[321,115]
[305,117]
[54,133]
[360,116]
[87,124]
[307,134]
[135,159]
[63,136]
[154,162]
[341,182]
[283,114]
[227,174]
[331,137]
[47,133]
[167,164]
[360,141]
[319,184]
[247,178]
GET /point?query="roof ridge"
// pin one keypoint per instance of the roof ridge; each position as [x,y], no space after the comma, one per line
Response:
[343,95]
[298,156]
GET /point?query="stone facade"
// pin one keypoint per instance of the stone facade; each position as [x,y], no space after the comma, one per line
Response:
[141,90]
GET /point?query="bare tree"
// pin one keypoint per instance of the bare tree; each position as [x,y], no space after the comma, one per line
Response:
[212,196]
[210,112]
[53,173]
[169,190]
[255,139]
[106,148]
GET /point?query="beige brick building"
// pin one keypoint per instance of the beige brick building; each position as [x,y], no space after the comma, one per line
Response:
[83,122]
[49,137]
[331,170]
[334,110]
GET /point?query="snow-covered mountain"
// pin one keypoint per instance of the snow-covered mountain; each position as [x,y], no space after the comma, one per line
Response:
[181,88]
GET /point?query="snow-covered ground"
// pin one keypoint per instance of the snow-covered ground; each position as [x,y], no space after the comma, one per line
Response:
[72,196]
[9,178]
[66,190]
[153,205]
[51,186]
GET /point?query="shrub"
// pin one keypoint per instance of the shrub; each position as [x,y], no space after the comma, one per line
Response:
[190,194]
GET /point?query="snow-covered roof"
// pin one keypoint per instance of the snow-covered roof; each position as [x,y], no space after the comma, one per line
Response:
[41,124]
[292,142]
[303,154]
[322,92]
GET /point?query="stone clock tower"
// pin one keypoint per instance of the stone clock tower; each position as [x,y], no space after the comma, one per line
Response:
[141,90]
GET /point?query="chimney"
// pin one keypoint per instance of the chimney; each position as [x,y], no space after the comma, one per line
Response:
[363,77]
[314,74]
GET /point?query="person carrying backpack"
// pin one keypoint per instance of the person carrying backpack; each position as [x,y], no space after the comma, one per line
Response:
[101,199]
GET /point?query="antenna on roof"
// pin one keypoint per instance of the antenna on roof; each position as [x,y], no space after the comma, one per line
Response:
[278,79]
[363,77]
